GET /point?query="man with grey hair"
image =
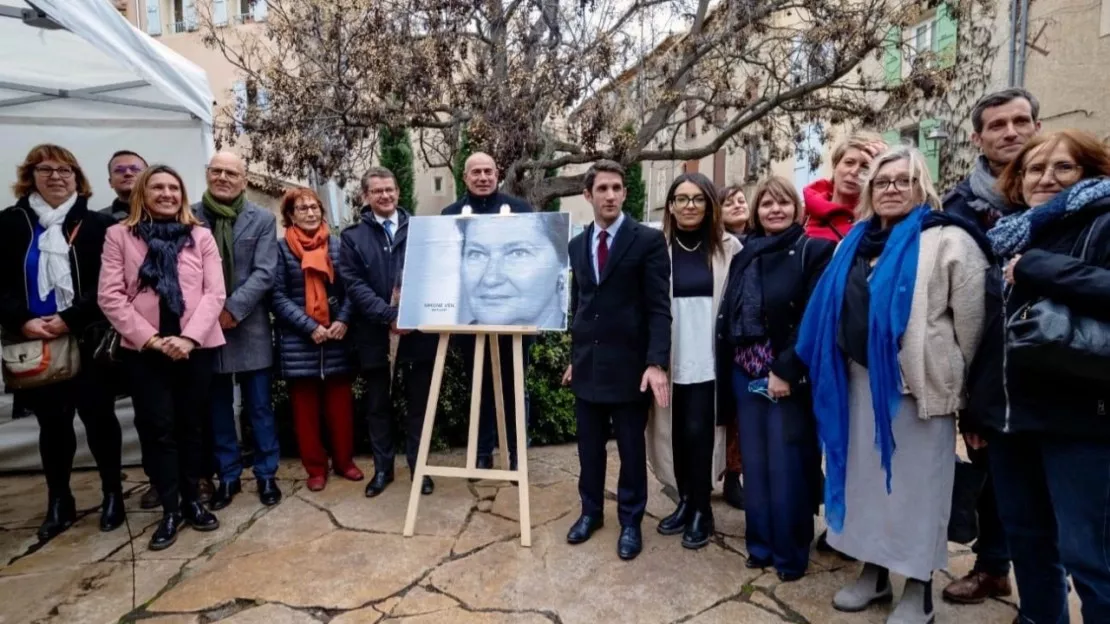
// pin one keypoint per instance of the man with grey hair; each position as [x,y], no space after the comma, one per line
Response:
[371,264]
[246,235]
[482,197]
[1002,123]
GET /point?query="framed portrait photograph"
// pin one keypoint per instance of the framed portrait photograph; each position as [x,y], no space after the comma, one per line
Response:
[500,269]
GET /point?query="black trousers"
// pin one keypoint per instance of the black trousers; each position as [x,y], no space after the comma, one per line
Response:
[629,421]
[171,402]
[693,423]
[992,555]
[91,396]
[416,378]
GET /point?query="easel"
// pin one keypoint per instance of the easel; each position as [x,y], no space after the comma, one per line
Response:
[482,334]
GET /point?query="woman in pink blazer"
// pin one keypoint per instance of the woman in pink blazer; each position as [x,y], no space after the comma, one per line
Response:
[162,288]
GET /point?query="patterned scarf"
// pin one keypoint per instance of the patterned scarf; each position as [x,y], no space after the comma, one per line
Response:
[987,201]
[1012,234]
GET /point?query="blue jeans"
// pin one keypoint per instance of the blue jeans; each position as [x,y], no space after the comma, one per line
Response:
[780,467]
[255,387]
[1054,502]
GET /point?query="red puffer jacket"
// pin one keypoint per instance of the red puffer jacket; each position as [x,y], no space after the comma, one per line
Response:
[824,219]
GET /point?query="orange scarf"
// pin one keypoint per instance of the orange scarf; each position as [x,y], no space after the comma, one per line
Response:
[312,250]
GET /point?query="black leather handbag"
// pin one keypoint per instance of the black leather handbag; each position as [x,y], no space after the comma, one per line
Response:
[1047,335]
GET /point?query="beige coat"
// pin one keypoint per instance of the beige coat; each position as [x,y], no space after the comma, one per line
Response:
[946,320]
[659,451]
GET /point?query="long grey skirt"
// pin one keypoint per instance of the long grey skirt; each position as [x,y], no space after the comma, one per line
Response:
[905,531]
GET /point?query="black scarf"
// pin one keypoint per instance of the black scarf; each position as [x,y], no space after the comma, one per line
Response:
[164,239]
[740,294]
[874,240]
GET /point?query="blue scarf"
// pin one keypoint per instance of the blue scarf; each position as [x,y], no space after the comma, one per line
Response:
[891,286]
[1012,234]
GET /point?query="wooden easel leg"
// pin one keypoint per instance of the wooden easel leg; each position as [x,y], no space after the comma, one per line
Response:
[499,399]
[475,400]
[521,440]
[426,434]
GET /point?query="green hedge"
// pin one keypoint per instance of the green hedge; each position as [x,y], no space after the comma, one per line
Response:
[551,405]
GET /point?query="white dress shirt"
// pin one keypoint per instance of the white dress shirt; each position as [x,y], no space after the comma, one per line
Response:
[595,240]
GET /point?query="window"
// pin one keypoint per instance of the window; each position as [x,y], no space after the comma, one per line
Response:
[184,15]
[922,40]
[691,120]
[219,12]
[250,10]
[438,184]
[909,136]
[719,167]
[153,18]
[249,98]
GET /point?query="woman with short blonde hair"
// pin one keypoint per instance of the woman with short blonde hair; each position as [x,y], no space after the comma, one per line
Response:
[888,337]
[830,203]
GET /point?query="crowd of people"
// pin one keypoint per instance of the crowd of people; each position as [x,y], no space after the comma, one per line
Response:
[793,350]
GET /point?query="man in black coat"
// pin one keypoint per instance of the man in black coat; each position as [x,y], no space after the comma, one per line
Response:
[620,348]
[482,197]
[1002,123]
[124,168]
[371,262]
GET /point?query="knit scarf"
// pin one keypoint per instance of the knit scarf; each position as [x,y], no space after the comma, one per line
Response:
[743,299]
[54,270]
[223,218]
[164,240]
[987,200]
[891,288]
[312,251]
[1012,234]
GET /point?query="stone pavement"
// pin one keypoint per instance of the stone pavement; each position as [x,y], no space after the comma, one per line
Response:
[336,556]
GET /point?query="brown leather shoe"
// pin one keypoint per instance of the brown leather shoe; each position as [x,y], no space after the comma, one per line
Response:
[205,489]
[976,587]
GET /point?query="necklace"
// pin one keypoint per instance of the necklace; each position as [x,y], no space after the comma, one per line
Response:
[690,249]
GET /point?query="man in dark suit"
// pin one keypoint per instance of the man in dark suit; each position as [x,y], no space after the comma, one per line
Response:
[371,262]
[620,348]
[482,197]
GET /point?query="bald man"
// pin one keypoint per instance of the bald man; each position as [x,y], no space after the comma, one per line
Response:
[482,196]
[246,235]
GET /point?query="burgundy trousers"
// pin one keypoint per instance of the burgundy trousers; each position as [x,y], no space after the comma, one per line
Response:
[334,394]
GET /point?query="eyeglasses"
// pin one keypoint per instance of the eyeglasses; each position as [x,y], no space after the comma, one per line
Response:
[383,191]
[125,169]
[306,209]
[899,184]
[217,172]
[682,201]
[1062,171]
[64,173]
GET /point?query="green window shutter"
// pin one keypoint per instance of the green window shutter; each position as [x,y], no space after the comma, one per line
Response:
[892,56]
[947,28]
[928,148]
[893,138]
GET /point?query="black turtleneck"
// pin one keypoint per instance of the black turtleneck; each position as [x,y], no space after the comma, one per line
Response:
[691,274]
[120,209]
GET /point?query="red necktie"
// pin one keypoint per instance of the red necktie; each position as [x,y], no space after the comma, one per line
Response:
[602,252]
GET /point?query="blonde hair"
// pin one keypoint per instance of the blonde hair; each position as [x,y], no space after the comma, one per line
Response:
[921,181]
[139,210]
[857,140]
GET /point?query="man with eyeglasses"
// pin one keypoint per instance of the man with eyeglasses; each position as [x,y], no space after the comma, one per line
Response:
[124,168]
[246,236]
[482,197]
[371,263]
[1002,123]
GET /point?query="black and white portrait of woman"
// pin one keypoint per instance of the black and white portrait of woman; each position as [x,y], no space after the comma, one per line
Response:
[505,270]
[513,270]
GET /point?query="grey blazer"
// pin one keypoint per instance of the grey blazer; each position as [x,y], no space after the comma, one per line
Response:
[250,344]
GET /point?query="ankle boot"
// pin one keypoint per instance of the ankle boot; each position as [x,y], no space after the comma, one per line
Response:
[872,587]
[733,490]
[166,533]
[61,513]
[916,604]
[111,511]
[195,515]
[676,522]
[698,530]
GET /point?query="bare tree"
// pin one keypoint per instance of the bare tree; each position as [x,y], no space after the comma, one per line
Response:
[543,84]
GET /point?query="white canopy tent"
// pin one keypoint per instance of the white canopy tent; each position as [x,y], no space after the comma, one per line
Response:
[98,86]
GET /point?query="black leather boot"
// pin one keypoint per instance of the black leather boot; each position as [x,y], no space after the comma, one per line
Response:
[698,530]
[676,522]
[733,490]
[111,511]
[195,515]
[61,513]
[166,533]
[224,494]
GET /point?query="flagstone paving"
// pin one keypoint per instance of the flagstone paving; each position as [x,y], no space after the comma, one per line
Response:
[336,556]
